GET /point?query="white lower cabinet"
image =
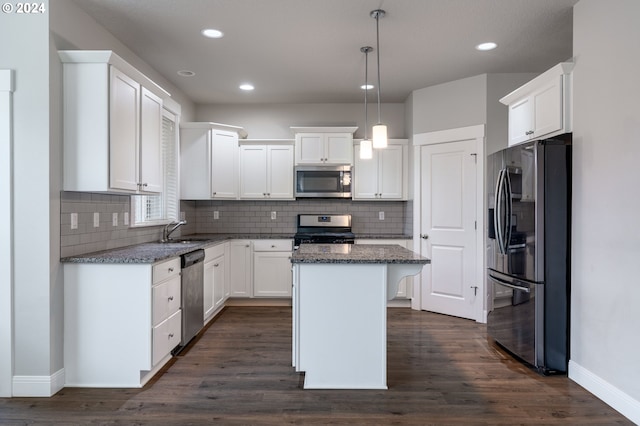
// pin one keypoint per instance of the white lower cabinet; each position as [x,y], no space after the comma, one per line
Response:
[240,271]
[121,322]
[272,268]
[406,284]
[215,279]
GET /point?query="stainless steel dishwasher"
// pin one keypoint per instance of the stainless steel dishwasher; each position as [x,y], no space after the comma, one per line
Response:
[192,295]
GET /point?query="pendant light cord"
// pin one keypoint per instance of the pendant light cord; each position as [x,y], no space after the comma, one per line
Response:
[378,58]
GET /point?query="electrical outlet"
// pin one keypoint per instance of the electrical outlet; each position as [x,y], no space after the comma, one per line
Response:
[114,219]
[125,218]
[96,220]
[183,216]
[216,215]
[273,215]
[381,215]
[74,220]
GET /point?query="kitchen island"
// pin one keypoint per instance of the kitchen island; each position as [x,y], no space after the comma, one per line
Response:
[340,294]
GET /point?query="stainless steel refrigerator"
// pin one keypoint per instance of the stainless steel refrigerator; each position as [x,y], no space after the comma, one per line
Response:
[529,233]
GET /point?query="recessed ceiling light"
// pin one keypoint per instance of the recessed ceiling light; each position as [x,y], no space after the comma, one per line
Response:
[186,73]
[367,87]
[212,33]
[486,46]
[246,86]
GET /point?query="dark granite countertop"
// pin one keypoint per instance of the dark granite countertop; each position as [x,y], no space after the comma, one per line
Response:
[356,253]
[384,237]
[155,251]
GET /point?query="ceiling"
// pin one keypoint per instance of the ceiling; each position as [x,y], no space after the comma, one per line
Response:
[308,51]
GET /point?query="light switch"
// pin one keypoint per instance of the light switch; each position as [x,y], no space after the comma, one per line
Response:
[114,219]
[96,220]
[183,216]
[74,220]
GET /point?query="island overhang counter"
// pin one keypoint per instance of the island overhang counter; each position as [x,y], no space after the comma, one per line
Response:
[340,294]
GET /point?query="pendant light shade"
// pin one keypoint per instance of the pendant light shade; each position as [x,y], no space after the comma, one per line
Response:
[366,151]
[379,135]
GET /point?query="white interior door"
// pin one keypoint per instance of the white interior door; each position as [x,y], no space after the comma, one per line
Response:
[448,228]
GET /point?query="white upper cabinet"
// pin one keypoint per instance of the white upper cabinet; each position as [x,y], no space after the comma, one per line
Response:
[112,125]
[266,172]
[324,145]
[383,177]
[542,107]
[208,161]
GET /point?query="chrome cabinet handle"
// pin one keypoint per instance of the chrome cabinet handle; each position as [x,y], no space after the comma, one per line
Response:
[424,236]
[170,336]
[170,298]
[170,269]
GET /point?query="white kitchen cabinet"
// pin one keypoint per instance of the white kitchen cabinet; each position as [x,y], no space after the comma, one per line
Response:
[266,172]
[384,176]
[406,284]
[121,322]
[324,145]
[272,268]
[208,161]
[240,268]
[215,279]
[112,125]
[542,107]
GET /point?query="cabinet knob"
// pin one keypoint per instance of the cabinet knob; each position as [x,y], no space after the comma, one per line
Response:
[273,246]
[170,336]
[170,298]
[215,265]
[214,194]
[424,236]
[247,246]
[145,185]
[170,269]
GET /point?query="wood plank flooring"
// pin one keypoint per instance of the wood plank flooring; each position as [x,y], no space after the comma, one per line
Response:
[441,371]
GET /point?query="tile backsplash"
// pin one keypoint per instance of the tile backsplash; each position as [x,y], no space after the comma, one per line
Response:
[255,216]
[88,238]
[244,217]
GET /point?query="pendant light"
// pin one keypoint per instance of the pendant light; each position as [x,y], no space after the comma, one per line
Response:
[379,133]
[366,151]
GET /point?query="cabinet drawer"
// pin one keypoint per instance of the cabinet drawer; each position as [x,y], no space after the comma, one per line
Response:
[166,299]
[164,270]
[272,245]
[214,251]
[166,336]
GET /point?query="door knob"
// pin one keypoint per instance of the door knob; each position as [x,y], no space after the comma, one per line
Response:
[424,236]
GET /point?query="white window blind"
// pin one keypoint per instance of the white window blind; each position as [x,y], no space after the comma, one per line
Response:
[159,209]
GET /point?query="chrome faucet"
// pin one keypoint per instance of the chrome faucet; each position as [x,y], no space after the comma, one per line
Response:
[167,232]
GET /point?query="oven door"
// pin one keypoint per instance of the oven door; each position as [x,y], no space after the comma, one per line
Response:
[323,181]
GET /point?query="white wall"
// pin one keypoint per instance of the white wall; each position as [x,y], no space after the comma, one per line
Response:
[605,300]
[272,121]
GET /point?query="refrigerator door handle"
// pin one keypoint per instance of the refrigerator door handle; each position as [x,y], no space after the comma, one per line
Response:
[497,222]
[508,284]
[508,211]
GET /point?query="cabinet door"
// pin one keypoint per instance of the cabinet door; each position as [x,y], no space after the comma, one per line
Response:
[280,171]
[195,162]
[339,148]
[224,164]
[218,282]
[390,172]
[272,274]
[365,178]
[520,121]
[310,148]
[253,171]
[150,142]
[209,282]
[240,268]
[547,103]
[124,134]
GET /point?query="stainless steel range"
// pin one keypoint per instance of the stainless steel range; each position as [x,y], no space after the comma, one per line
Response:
[324,229]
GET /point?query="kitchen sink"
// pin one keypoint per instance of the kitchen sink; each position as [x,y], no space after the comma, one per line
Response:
[184,240]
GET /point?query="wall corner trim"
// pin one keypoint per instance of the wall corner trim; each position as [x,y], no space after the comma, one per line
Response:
[616,398]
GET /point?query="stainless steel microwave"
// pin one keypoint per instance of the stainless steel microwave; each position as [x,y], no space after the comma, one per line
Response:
[323,181]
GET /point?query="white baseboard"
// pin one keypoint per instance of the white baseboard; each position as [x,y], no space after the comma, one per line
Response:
[38,386]
[617,399]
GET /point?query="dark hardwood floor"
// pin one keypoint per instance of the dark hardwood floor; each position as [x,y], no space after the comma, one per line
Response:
[441,371]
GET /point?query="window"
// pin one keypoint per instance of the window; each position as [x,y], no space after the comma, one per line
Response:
[148,210]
